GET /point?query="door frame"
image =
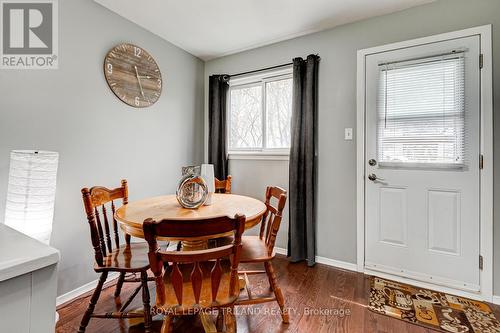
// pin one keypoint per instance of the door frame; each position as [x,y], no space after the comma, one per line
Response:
[486,149]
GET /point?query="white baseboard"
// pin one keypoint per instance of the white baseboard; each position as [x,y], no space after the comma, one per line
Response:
[353,267]
[337,263]
[326,261]
[73,294]
[280,250]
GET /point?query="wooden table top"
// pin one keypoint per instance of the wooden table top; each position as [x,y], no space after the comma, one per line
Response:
[132,215]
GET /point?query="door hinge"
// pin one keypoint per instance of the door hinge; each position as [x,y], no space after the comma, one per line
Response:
[481,262]
[481,162]
[481,61]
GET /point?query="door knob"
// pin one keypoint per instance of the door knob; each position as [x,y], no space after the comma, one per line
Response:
[373,177]
[372,162]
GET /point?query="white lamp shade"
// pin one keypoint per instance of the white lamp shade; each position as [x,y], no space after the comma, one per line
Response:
[207,172]
[31,192]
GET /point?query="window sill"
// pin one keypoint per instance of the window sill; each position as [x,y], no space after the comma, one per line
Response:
[253,155]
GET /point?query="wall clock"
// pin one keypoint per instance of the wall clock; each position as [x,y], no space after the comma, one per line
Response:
[133,75]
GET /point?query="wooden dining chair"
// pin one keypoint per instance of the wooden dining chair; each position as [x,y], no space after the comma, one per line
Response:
[194,281]
[223,186]
[128,258]
[259,249]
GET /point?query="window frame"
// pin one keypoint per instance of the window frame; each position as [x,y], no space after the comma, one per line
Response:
[254,80]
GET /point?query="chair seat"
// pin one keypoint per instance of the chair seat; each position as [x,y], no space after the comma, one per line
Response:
[253,248]
[126,258]
[171,305]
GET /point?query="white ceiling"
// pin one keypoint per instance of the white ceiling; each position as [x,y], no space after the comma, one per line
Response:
[214,28]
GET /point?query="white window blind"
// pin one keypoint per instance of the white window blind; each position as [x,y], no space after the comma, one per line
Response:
[421,112]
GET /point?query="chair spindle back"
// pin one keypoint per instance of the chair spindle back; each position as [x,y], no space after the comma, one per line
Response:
[186,229]
[223,186]
[271,220]
[95,200]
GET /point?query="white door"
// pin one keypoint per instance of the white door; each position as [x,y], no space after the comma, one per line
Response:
[422,163]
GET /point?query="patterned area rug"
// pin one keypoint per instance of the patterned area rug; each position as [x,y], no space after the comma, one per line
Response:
[432,309]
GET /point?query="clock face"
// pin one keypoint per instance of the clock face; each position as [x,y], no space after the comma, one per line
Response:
[133,75]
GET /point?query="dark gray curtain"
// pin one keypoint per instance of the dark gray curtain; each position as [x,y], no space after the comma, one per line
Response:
[303,156]
[218,87]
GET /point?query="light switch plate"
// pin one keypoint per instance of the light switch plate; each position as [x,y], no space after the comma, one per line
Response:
[348,134]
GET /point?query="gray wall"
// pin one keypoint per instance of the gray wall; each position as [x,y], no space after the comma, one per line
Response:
[337,106]
[250,177]
[100,140]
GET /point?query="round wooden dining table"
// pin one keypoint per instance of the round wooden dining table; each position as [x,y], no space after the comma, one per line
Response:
[132,215]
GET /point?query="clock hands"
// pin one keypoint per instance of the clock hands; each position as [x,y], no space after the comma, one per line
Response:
[125,61]
[139,80]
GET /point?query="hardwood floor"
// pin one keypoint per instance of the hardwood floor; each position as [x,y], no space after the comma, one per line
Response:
[308,291]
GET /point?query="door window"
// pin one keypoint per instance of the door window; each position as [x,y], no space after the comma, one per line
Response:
[421,112]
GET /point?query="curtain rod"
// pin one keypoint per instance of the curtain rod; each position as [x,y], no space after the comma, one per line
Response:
[262,69]
[267,68]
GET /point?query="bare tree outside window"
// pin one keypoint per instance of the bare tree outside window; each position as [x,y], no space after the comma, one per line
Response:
[260,114]
[246,117]
[279,113]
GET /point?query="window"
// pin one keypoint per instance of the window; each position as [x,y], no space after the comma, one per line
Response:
[246,117]
[421,113]
[260,111]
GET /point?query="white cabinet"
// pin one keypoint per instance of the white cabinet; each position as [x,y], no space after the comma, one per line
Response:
[28,283]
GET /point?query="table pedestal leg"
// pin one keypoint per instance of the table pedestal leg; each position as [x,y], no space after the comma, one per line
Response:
[138,320]
[194,245]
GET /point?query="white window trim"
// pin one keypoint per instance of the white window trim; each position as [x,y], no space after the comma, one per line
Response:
[486,149]
[261,79]
[275,155]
